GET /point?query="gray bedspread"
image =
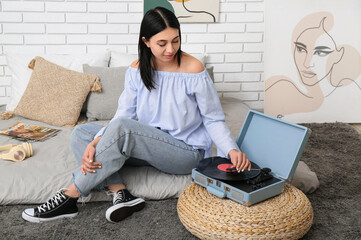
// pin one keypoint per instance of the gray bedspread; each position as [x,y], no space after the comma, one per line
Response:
[37,178]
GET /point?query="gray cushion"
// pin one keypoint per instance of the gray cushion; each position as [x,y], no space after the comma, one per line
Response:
[210,72]
[103,105]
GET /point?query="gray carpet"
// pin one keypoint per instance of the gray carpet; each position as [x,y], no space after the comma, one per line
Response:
[333,152]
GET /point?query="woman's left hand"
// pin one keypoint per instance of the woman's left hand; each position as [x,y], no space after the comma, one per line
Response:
[239,160]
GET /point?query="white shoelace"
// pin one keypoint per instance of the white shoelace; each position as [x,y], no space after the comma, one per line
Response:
[118,197]
[53,202]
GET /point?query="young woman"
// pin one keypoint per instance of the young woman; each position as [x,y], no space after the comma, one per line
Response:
[179,114]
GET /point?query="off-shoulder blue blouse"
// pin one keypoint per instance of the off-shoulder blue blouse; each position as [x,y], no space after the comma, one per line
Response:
[185,105]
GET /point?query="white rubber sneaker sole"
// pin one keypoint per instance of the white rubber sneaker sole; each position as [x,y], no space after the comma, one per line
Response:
[120,211]
[28,216]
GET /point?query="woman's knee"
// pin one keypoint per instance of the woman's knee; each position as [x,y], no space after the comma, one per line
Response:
[122,125]
[84,132]
[77,133]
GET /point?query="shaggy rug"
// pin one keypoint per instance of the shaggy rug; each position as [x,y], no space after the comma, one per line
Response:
[333,152]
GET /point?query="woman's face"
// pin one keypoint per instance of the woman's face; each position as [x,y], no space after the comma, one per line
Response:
[312,50]
[164,45]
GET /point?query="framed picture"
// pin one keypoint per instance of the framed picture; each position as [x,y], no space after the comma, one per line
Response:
[312,60]
[192,11]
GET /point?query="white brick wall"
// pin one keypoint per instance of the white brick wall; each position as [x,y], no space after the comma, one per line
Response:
[234,45]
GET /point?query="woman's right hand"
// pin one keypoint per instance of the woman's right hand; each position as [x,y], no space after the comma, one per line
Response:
[88,163]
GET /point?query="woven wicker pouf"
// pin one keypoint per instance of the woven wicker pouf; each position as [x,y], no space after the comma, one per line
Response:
[286,216]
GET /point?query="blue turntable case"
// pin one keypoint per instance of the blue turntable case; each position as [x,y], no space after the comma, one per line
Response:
[270,143]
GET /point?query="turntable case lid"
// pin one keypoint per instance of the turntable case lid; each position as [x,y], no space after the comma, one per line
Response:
[272,142]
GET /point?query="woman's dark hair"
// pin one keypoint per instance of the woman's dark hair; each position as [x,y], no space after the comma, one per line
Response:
[154,21]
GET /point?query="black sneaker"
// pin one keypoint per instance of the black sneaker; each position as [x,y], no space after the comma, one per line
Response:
[59,206]
[124,205]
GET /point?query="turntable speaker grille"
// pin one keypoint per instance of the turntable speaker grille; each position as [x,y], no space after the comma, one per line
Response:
[199,178]
[237,195]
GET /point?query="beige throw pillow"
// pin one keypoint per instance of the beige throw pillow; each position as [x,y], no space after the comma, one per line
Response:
[55,95]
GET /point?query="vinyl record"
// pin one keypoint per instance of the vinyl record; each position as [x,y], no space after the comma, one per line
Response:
[216,167]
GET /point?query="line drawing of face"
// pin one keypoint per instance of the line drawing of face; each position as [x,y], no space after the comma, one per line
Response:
[322,68]
[314,49]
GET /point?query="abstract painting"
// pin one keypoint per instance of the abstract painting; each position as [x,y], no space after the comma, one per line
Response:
[312,60]
[192,11]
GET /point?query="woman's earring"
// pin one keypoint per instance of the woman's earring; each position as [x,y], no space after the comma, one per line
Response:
[145,42]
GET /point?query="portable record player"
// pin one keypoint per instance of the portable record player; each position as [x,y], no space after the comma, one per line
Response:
[273,146]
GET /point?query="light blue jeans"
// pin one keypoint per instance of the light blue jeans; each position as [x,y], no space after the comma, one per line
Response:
[128,141]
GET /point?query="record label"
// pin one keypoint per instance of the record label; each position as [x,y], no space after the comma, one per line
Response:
[223,167]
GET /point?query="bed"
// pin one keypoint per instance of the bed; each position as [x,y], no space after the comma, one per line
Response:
[38,177]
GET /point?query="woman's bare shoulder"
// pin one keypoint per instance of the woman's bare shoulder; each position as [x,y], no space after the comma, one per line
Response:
[135,64]
[190,64]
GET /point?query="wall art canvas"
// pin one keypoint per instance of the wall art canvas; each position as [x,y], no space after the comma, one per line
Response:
[312,60]
[191,11]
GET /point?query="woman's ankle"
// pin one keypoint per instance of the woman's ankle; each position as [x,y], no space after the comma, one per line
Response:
[116,187]
[72,192]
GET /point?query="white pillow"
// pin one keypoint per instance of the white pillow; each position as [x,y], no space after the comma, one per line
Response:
[118,59]
[150,183]
[145,182]
[18,65]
